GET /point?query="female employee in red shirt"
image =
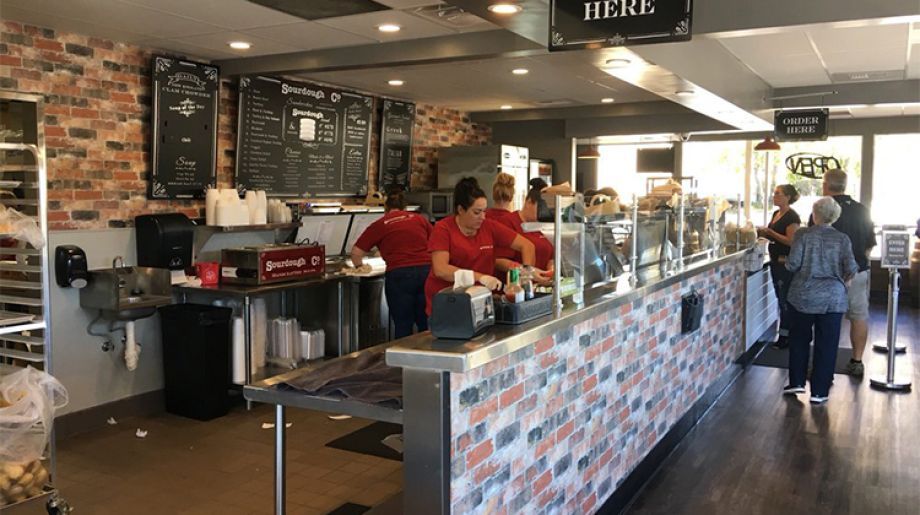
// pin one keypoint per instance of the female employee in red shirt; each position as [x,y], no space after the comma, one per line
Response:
[502,193]
[402,239]
[467,241]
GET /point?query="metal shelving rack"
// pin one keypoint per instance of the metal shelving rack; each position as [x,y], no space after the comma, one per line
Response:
[25,332]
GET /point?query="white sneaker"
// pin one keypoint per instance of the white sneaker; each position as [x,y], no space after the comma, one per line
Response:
[793,390]
[818,400]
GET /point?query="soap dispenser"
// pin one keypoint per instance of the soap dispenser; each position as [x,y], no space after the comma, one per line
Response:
[70,268]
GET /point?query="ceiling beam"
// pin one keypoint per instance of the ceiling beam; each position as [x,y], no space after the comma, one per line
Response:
[851,94]
[475,45]
[572,113]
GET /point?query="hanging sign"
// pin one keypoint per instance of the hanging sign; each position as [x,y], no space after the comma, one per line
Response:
[799,125]
[895,248]
[184,149]
[577,24]
[811,166]
[397,123]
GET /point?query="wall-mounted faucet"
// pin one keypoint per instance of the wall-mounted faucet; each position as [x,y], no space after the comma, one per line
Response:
[118,268]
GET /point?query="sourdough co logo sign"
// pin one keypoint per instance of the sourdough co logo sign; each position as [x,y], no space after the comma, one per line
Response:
[810,165]
[576,24]
[799,125]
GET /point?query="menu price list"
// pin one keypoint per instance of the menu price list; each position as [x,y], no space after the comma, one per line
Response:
[396,144]
[184,138]
[302,139]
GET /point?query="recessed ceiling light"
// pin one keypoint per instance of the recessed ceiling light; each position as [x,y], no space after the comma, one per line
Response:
[395,82]
[389,27]
[617,62]
[505,8]
[240,45]
[506,107]
[607,100]
[684,92]
[520,71]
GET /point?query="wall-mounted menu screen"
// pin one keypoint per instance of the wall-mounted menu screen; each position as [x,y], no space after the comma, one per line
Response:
[397,122]
[301,139]
[184,150]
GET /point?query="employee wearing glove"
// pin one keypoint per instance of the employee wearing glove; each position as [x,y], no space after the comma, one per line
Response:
[507,258]
[467,241]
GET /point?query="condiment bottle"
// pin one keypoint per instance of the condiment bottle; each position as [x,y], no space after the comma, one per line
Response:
[513,291]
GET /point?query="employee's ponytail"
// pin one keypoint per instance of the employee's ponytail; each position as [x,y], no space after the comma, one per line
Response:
[396,199]
[466,192]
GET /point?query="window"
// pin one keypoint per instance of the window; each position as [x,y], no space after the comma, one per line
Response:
[895,180]
[846,149]
[616,168]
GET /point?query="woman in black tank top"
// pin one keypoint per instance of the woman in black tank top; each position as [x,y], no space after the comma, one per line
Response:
[782,228]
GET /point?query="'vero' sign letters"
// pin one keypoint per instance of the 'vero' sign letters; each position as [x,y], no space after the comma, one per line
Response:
[576,24]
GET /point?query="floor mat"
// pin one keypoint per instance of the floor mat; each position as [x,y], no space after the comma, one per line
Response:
[350,508]
[779,358]
[368,440]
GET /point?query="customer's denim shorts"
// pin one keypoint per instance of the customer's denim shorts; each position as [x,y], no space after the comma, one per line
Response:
[858,296]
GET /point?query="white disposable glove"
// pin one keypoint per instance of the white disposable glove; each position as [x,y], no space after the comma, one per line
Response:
[490,282]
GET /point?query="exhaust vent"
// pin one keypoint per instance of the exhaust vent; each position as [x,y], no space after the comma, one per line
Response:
[873,76]
[448,16]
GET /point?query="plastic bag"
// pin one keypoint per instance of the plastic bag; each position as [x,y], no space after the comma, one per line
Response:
[28,400]
[20,226]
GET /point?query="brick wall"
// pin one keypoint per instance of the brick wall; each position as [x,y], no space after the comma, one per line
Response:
[556,426]
[97,122]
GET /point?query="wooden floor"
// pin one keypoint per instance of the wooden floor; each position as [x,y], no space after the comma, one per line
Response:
[757,451]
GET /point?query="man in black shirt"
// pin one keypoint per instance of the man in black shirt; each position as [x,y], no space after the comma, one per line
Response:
[856,223]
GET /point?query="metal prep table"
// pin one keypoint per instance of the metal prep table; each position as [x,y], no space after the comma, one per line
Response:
[267,391]
[245,294]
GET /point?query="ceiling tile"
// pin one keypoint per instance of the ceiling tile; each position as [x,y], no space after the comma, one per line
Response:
[230,14]
[67,24]
[218,42]
[858,39]
[871,59]
[308,35]
[365,25]
[192,52]
[768,46]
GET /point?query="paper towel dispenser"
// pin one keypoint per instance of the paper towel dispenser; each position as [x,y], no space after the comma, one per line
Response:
[164,240]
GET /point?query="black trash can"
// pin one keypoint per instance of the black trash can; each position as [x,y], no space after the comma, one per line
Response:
[196,359]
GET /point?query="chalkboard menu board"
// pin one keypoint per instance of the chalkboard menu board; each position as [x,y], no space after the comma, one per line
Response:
[301,139]
[184,150]
[398,120]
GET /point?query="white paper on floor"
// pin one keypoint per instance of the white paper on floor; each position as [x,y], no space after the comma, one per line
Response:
[339,417]
[269,425]
[111,421]
[140,433]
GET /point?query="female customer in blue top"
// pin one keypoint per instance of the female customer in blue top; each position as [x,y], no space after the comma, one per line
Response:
[821,259]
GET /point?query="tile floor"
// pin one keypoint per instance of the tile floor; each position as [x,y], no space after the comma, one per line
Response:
[219,467]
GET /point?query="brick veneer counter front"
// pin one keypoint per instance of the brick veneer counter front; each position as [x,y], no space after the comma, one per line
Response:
[558,423]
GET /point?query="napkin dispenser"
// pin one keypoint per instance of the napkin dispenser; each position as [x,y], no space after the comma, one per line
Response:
[461,313]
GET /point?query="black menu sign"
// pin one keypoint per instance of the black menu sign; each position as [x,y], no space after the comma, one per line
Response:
[577,24]
[800,125]
[184,150]
[398,120]
[302,139]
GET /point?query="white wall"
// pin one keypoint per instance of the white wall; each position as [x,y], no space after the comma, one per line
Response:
[93,377]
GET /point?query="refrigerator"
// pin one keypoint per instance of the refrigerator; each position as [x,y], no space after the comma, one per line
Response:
[484,163]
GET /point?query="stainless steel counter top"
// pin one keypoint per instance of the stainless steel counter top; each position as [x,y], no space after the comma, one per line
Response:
[423,351]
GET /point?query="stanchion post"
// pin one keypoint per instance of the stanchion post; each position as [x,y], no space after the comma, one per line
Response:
[894,255]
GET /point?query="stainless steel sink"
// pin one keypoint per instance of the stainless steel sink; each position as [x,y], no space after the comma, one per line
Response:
[127,292]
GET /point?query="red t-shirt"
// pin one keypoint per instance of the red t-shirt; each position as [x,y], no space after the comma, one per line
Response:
[543,248]
[401,237]
[476,253]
